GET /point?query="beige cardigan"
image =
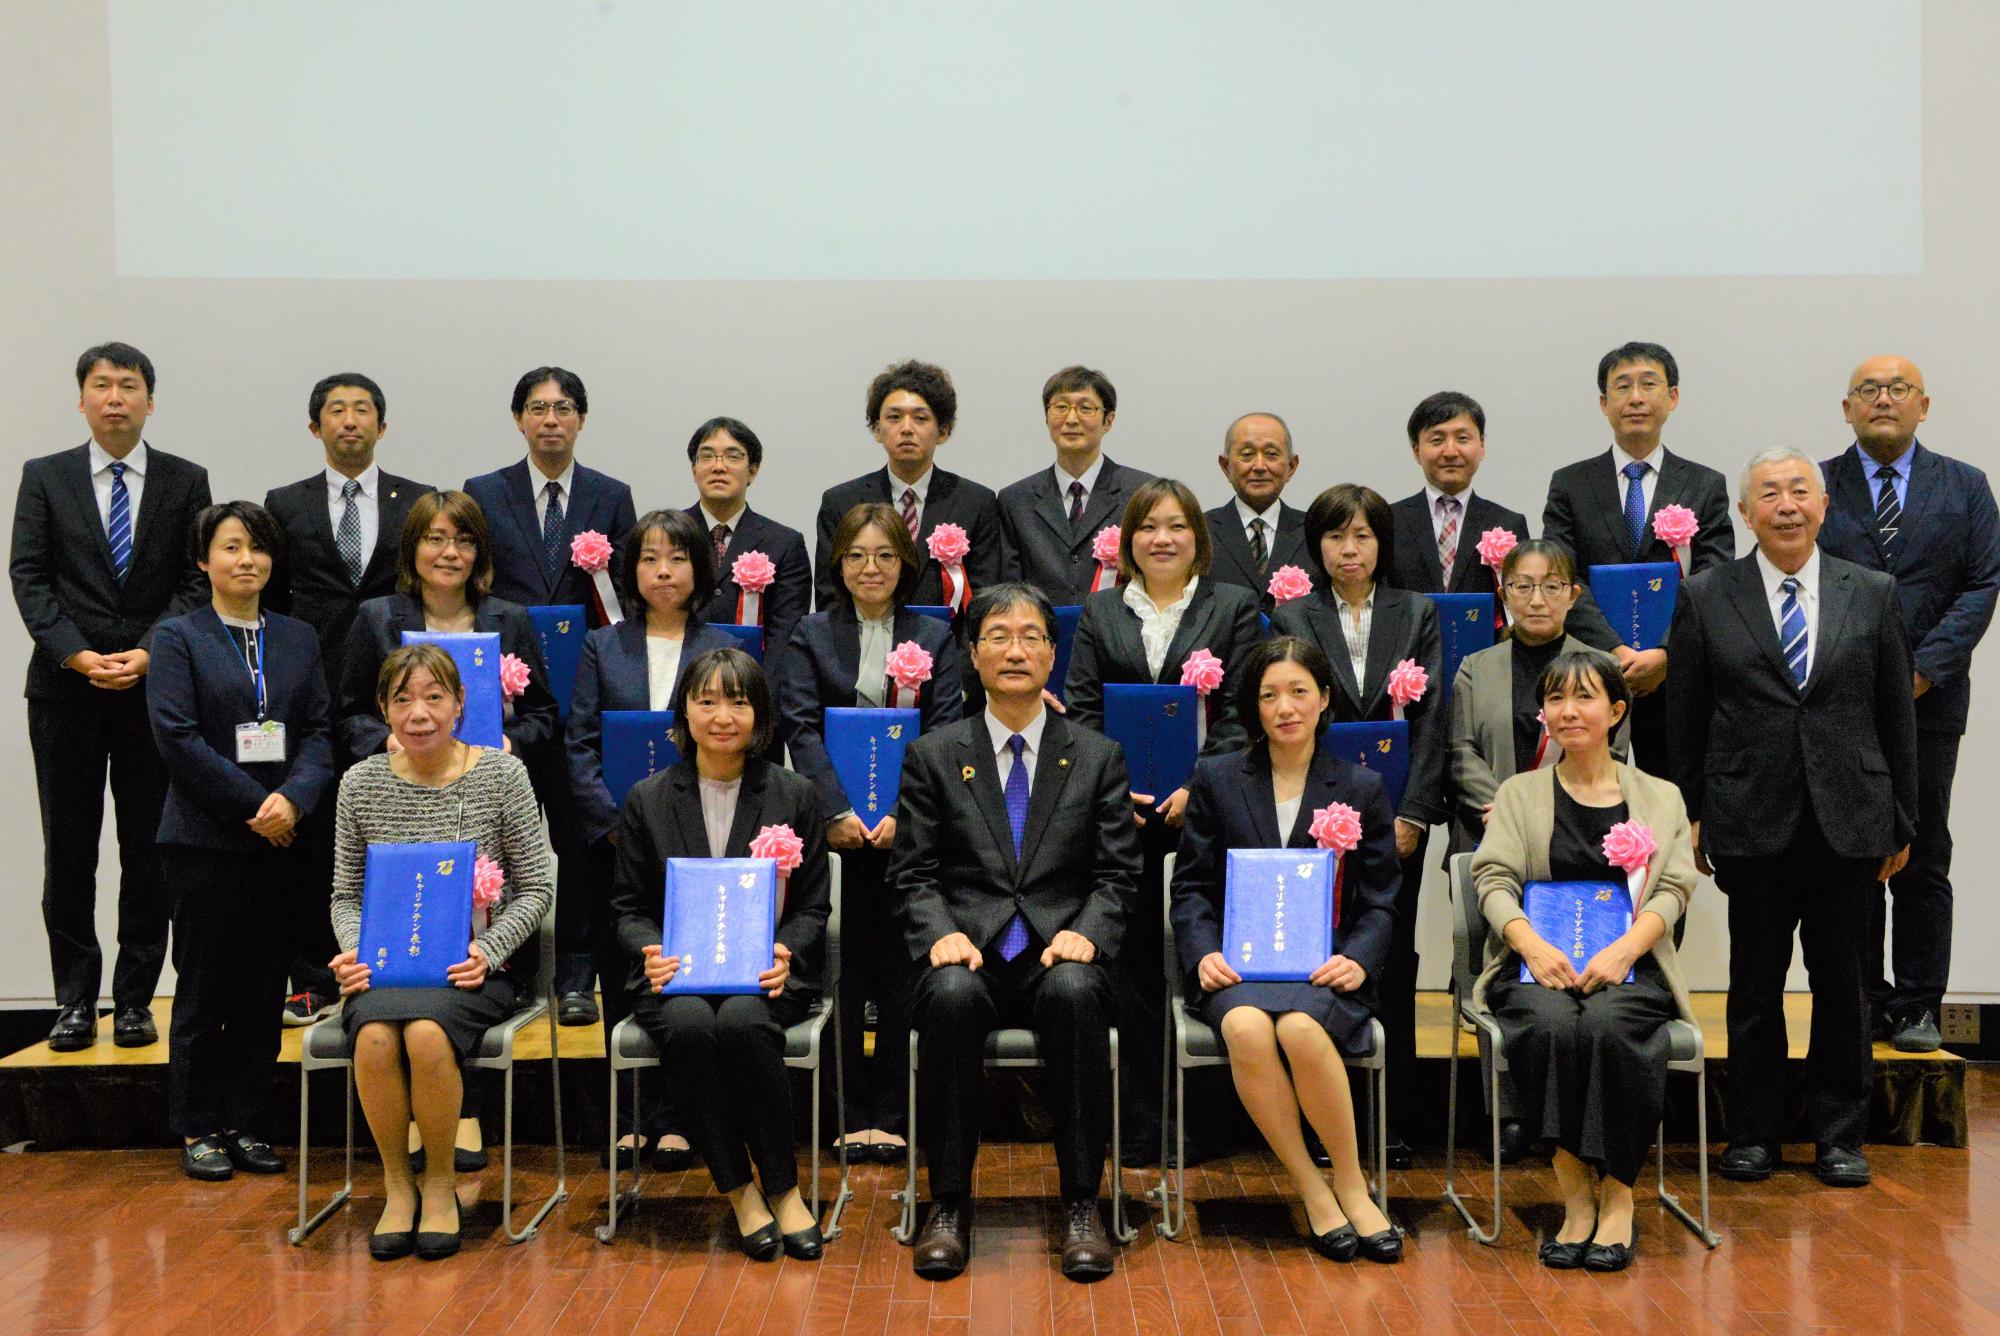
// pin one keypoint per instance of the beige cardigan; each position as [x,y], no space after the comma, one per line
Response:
[1516,851]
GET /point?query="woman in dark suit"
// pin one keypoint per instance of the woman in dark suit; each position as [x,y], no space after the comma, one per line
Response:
[725,1055]
[1365,629]
[239,708]
[837,658]
[1285,1040]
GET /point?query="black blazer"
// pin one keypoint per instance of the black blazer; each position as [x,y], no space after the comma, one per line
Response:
[613,675]
[662,820]
[1750,750]
[1222,619]
[310,581]
[1232,564]
[61,563]
[818,672]
[198,691]
[1231,806]
[1041,546]
[1404,626]
[952,500]
[512,501]
[1416,566]
[1947,566]
[954,856]
[789,596]
[533,722]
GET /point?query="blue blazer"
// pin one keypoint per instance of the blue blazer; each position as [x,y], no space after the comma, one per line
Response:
[1946,564]
[818,672]
[790,594]
[199,690]
[612,675]
[513,505]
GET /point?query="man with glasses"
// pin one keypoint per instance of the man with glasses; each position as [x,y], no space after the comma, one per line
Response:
[1257,532]
[1930,522]
[725,457]
[1050,517]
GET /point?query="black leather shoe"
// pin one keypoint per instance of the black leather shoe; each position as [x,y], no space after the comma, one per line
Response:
[75,1029]
[250,1154]
[1919,1034]
[1612,1256]
[1514,1141]
[1563,1256]
[1748,1162]
[855,1152]
[1316,1150]
[1839,1167]
[763,1245]
[206,1161]
[1400,1154]
[1338,1244]
[1385,1247]
[945,1244]
[132,1027]
[806,1245]
[434,1245]
[883,1153]
[400,1243]
[672,1159]
[1086,1250]
[576,1009]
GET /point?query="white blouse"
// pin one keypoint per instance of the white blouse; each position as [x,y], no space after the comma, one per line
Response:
[1157,626]
[718,812]
[663,665]
[1288,815]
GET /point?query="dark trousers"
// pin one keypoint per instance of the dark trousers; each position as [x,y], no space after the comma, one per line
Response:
[1649,732]
[1920,951]
[74,741]
[583,917]
[1396,990]
[726,1054]
[1069,1006]
[1825,898]
[1139,977]
[875,966]
[310,931]
[230,914]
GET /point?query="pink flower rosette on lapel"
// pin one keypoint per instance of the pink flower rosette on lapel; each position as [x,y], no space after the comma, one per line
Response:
[909,666]
[514,675]
[753,573]
[1104,549]
[781,845]
[1288,583]
[1406,686]
[1337,827]
[487,882]
[1204,672]
[1629,847]
[1676,527]
[948,547]
[590,552]
[1494,545]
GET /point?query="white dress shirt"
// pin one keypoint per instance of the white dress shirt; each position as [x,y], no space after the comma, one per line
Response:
[1808,578]
[734,519]
[1089,481]
[367,505]
[1356,628]
[922,487]
[663,665]
[999,732]
[1244,517]
[1158,626]
[718,812]
[100,482]
[563,481]
[1648,481]
[1431,498]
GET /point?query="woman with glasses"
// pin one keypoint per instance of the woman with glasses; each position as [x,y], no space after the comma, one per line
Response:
[838,658]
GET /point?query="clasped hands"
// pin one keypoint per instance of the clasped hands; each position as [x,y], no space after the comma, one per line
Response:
[661,968]
[1552,969]
[277,819]
[351,973]
[955,948]
[847,832]
[111,672]
[1339,973]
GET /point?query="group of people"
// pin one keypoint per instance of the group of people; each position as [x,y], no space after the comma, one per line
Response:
[239,670]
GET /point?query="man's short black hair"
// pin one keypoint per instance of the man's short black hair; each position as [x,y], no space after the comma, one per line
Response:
[265,535]
[1075,380]
[569,382]
[1440,408]
[121,355]
[360,382]
[1000,597]
[1637,352]
[928,382]
[735,427]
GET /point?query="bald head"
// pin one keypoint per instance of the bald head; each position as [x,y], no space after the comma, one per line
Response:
[1884,425]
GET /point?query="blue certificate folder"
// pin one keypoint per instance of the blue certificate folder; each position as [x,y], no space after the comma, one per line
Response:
[416,912]
[561,627]
[936,611]
[1381,747]
[1579,917]
[1465,626]
[1278,912]
[752,637]
[1067,617]
[636,745]
[477,654]
[867,751]
[1638,599]
[720,918]
[1155,724]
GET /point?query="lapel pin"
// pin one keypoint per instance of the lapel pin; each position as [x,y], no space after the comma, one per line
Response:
[1063,764]
[967,772]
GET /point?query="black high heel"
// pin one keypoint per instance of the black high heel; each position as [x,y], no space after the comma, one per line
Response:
[763,1245]
[806,1245]
[398,1243]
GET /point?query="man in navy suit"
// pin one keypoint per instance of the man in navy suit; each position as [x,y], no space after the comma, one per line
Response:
[1257,533]
[1930,522]
[99,561]
[725,457]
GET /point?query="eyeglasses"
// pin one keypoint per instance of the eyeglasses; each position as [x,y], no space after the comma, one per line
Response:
[1551,589]
[438,542]
[1868,391]
[732,455]
[1625,389]
[1062,408]
[562,408]
[858,558]
[1027,640]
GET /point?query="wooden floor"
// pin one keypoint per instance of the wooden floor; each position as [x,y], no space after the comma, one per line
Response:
[120,1242]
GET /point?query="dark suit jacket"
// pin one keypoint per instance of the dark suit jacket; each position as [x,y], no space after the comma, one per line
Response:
[954,857]
[613,675]
[1750,750]
[789,596]
[61,563]
[1232,564]
[662,820]
[533,722]
[1404,626]
[1222,619]
[1416,566]
[310,582]
[1041,546]
[512,501]
[818,672]
[1947,566]
[952,500]
[199,690]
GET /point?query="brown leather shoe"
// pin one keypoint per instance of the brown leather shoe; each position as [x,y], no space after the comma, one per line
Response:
[944,1245]
[1086,1253]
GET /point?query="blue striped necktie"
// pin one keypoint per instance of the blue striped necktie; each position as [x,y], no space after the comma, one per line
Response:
[1792,630]
[121,522]
[1014,937]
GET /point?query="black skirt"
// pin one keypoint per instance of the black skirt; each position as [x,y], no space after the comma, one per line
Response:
[463,1014]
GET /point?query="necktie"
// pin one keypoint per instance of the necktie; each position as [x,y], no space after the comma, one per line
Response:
[1635,506]
[348,536]
[552,529]
[121,523]
[1888,510]
[910,511]
[1014,937]
[1260,551]
[720,533]
[1075,502]
[1792,630]
[1447,535]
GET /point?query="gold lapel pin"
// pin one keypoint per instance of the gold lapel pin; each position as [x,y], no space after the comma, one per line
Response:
[967,772]
[1063,764]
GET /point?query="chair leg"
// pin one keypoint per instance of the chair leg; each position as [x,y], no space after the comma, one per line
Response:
[843,1193]
[1700,1228]
[300,1232]
[561,1192]
[905,1230]
[1451,1193]
[1378,1092]
[1172,1191]
[1121,1232]
[614,1204]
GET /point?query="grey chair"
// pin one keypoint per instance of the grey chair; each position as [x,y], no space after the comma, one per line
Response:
[1685,1053]
[631,1048]
[326,1046]
[1192,1042]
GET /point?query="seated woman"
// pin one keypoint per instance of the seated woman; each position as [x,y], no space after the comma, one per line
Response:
[838,658]
[724,1055]
[431,787]
[1587,1050]
[1285,1040]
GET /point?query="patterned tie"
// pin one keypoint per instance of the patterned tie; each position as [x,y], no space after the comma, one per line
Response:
[552,529]
[1014,937]
[1075,502]
[910,511]
[720,533]
[1888,510]
[121,523]
[1635,506]
[1792,630]
[1260,551]
[348,536]
[1447,535]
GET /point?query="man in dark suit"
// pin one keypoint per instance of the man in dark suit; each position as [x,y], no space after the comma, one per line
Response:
[1049,518]
[1257,533]
[99,561]
[725,456]
[343,526]
[1602,510]
[1930,522]
[1793,739]
[1018,864]
[912,407]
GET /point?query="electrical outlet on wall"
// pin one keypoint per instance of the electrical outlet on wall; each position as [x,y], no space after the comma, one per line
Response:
[1960,1023]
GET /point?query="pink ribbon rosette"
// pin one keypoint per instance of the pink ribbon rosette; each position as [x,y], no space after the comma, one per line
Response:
[1337,827]
[590,552]
[949,546]
[1104,548]
[1407,684]
[514,675]
[1675,526]
[1204,672]
[1494,545]
[487,881]
[1629,847]
[909,666]
[753,573]
[1547,750]
[1288,583]
[781,845]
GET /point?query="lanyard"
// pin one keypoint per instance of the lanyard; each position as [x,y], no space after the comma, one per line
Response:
[253,661]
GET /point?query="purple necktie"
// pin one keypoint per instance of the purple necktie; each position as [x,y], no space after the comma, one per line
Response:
[1014,937]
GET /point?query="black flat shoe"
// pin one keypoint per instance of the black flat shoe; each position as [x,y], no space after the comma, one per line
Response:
[1514,1143]
[855,1152]
[75,1029]
[1385,1247]
[207,1161]
[673,1159]
[435,1245]
[251,1155]
[806,1245]
[398,1243]
[1338,1244]
[764,1245]
[1612,1256]
[882,1153]
[628,1156]
[1563,1256]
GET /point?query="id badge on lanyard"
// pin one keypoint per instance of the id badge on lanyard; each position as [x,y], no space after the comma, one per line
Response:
[263,739]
